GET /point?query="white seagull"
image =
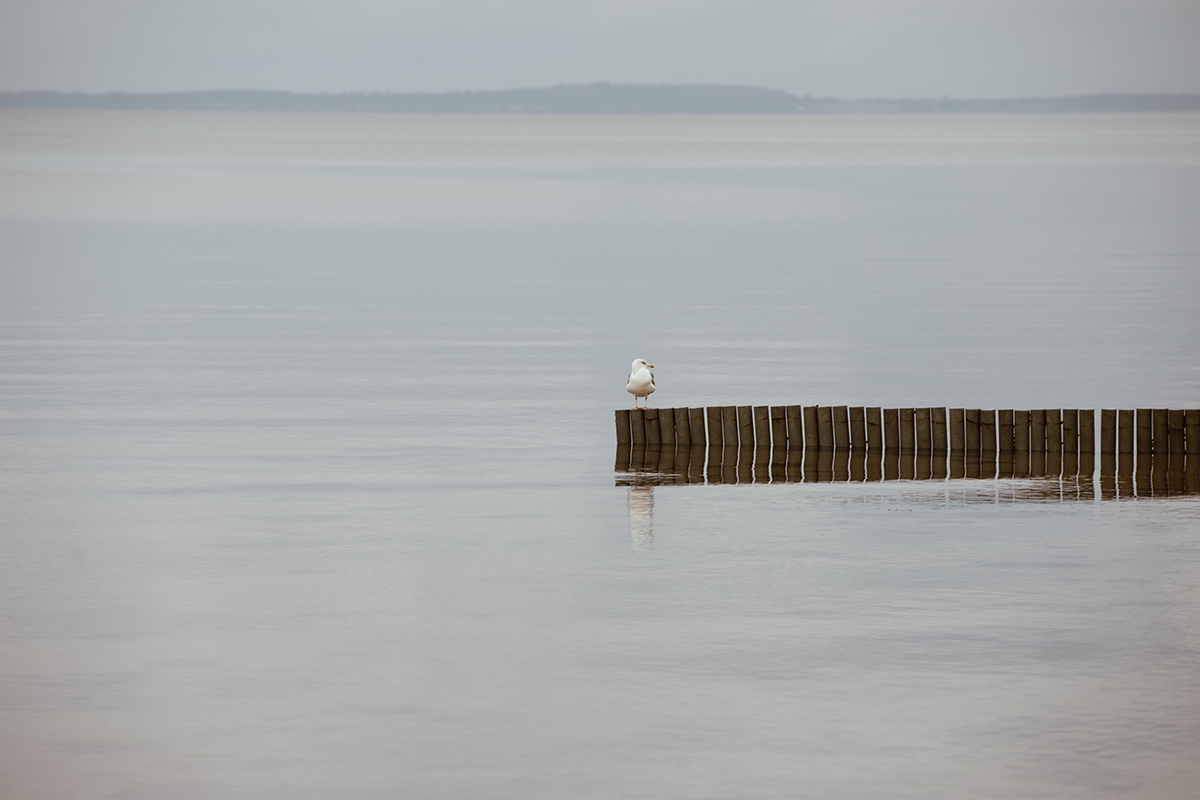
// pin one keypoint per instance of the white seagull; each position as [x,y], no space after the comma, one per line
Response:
[641,381]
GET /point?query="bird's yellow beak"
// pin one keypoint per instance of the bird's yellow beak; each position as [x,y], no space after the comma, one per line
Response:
[651,366]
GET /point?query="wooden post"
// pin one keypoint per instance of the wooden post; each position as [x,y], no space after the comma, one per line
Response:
[1037,431]
[987,431]
[623,426]
[795,427]
[858,428]
[924,433]
[1020,431]
[1161,435]
[937,419]
[907,430]
[1004,430]
[716,433]
[729,426]
[825,427]
[957,429]
[745,418]
[891,429]
[637,426]
[696,425]
[874,417]
[1176,432]
[653,430]
[666,422]
[1125,430]
[1054,440]
[971,426]
[841,427]
[1070,430]
[1145,431]
[762,427]
[1108,431]
[1087,431]
[778,428]
[1191,421]
[683,428]
[812,436]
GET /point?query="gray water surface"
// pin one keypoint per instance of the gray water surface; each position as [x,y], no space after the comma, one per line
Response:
[306,457]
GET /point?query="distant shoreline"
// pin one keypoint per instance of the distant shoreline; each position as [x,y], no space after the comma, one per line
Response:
[599,98]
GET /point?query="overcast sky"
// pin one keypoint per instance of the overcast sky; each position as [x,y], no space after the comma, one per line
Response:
[848,48]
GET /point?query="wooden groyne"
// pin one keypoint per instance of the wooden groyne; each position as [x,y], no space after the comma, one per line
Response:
[937,430]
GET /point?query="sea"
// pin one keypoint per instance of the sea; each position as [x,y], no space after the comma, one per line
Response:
[309,484]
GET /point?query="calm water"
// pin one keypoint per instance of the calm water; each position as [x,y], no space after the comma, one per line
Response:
[306,457]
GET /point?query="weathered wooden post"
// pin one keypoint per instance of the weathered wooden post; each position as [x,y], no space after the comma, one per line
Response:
[745,421]
[1125,430]
[937,418]
[666,423]
[923,438]
[891,428]
[1070,430]
[987,432]
[683,427]
[696,424]
[729,426]
[1145,431]
[762,427]
[795,427]
[841,427]
[971,426]
[637,426]
[1108,434]
[907,430]
[1161,436]
[874,420]
[1191,421]
[623,426]
[1087,432]
[1054,440]
[957,429]
[858,428]
[1004,430]
[825,427]
[1020,431]
[1037,431]
[779,435]
[653,430]
[1176,432]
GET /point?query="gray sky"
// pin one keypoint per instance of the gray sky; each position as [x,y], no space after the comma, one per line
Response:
[849,48]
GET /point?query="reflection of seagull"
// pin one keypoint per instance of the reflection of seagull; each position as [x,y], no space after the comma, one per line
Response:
[641,517]
[641,381]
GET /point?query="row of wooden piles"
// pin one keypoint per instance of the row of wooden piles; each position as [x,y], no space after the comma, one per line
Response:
[938,430]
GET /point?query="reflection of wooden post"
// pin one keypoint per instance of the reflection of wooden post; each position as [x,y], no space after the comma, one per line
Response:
[1125,429]
[825,427]
[745,419]
[1054,440]
[1161,438]
[696,426]
[1108,433]
[1087,431]
[1176,432]
[812,434]
[957,429]
[1191,421]
[795,427]
[891,428]
[779,437]
[637,426]
[623,426]
[653,429]
[874,419]
[729,426]
[1020,431]
[907,430]
[923,438]
[1145,432]
[1037,432]
[987,431]
[622,463]
[1004,430]
[971,431]
[683,426]
[762,427]
[841,427]
[937,419]
[858,428]
[1070,430]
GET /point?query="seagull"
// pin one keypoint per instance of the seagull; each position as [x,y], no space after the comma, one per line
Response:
[641,381]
